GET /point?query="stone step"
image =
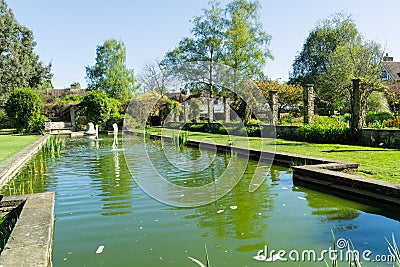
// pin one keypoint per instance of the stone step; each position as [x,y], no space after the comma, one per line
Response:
[61,132]
[55,127]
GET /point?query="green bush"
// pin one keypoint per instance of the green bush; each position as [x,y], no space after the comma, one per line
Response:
[292,118]
[253,131]
[325,130]
[392,122]
[96,107]
[376,125]
[217,130]
[378,117]
[23,106]
[4,121]
[115,106]
[198,127]
[72,99]
[37,125]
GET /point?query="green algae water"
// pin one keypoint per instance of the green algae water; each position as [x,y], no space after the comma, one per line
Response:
[103,218]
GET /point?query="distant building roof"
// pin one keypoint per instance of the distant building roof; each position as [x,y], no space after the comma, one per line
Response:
[390,69]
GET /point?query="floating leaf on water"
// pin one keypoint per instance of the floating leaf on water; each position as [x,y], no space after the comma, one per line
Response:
[99,249]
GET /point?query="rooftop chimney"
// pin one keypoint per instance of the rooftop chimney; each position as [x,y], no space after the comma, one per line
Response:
[386,58]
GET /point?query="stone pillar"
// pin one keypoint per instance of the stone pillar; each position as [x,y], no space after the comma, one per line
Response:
[358,111]
[176,114]
[273,104]
[186,111]
[227,110]
[210,110]
[309,104]
[72,114]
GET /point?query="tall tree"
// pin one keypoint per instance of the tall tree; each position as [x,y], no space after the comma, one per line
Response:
[19,65]
[359,59]
[110,73]
[333,54]
[246,41]
[247,50]
[154,76]
[207,42]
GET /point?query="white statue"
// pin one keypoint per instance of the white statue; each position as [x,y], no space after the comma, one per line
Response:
[90,130]
[115,128]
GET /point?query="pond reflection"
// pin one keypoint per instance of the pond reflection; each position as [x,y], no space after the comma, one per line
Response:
[99,203]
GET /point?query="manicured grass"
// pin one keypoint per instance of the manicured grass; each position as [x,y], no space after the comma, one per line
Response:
[377,163]
[10,144]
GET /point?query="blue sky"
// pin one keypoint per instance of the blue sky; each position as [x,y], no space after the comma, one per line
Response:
[67,32]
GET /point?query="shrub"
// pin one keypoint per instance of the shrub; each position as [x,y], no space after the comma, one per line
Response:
[393,122]
[325,130]
[4,120]
[23,106]
[217,130]
[253,131]
[292,118]
[37,125]
[72,99]
[198,127]
[115,106]
[347,117]
[378,117]
[97,107]
[376,125]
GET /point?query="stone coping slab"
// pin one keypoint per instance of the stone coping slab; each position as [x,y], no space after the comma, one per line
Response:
[10,167]
[30,242]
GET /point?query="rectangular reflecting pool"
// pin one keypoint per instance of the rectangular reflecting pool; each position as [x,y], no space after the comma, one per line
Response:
[103,218]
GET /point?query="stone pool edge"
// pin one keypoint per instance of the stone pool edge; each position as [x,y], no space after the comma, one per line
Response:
[11,166]
[331,176]
[30,242]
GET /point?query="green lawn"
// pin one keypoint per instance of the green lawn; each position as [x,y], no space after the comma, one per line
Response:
[10,144]
[377,163]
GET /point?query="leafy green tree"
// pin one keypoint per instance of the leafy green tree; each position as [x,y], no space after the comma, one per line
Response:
[316,55]
[205,45]
[24,106]
[334,53]
[290,96]
[247,49]
[19,65]
[110,73]
[97,107]
[356,59]
[246,41]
